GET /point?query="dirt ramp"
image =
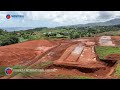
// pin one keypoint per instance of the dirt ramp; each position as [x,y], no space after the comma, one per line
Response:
[67,53]
[81,55]
[89,58]
[75,53]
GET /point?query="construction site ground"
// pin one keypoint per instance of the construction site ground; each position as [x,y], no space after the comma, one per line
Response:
[75,58]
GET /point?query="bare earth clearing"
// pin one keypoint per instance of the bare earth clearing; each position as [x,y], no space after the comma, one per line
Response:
[70,57]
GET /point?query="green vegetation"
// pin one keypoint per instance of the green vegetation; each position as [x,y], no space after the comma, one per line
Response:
[2,70]
[8,41]
[103,51]
[44,64]
[63,76]
[7,38]
[40,66]
[117,70]
[109,33]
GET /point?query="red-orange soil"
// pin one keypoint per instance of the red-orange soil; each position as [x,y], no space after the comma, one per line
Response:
[113,57]
[80,55]
[70,57]
[116,40]
[23,52]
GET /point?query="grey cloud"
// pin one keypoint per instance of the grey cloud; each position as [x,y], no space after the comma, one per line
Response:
[105,15]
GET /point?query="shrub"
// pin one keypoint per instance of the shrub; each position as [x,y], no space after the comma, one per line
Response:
[74,35]
[11,40]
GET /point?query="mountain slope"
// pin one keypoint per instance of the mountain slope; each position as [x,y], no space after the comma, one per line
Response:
[107,23]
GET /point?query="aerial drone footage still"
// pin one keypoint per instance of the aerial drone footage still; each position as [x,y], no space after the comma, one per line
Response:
[60,45]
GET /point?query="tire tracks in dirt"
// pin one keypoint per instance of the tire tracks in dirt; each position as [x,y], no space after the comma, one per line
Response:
[33,62]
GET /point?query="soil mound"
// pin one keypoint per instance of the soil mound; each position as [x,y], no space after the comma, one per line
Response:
[23,52]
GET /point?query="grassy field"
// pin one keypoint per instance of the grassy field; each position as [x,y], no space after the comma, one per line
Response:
[117,70]
[43,64]
[109,33]
[63,76]
[103,51]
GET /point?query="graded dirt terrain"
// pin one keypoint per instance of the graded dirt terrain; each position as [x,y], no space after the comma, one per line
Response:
[113,57]
[116,40]
[80,55]
[71,58]
[23,53]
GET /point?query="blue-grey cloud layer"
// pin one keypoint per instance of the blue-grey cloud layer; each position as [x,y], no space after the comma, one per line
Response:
[55,18]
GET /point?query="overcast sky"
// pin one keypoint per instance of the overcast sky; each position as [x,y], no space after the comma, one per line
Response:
[55,18]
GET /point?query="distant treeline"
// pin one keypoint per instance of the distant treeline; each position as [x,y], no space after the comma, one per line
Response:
[7,38]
